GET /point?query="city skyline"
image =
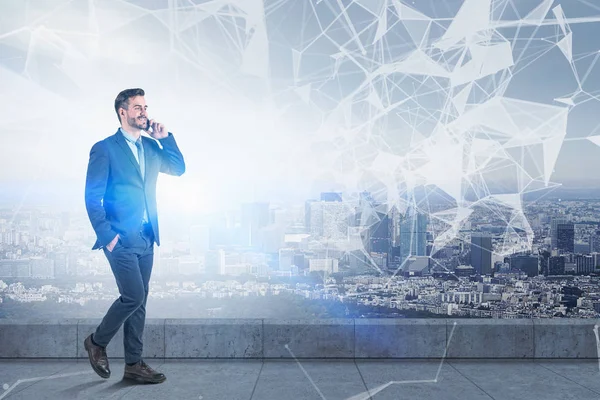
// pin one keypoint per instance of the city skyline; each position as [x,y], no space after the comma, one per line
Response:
[49,252]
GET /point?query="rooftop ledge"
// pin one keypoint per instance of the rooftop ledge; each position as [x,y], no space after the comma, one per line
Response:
[317,338]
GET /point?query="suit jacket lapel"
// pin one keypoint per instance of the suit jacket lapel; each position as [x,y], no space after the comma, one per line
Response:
[125,147]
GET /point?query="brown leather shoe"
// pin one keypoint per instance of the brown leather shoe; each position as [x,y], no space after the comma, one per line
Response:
[98,358]
[142,373]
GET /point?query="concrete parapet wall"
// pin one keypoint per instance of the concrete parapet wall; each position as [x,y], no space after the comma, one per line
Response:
[318,338]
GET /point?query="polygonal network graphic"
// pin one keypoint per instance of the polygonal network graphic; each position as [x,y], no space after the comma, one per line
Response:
[9,388]
[371,392]
[406,100]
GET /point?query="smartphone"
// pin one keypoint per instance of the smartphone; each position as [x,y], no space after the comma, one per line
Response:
[147,125]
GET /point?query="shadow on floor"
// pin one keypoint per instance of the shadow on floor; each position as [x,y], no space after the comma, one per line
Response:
[75,391]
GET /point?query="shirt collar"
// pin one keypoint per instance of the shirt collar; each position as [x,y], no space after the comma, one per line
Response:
[127,136]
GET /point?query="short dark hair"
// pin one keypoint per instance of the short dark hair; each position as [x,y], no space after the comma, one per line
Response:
[122,100]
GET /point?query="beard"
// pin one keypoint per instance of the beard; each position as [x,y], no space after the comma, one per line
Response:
[137,123]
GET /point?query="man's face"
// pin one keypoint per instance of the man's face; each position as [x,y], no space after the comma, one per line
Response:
[136,115]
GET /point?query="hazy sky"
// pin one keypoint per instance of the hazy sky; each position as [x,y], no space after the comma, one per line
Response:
[281,99]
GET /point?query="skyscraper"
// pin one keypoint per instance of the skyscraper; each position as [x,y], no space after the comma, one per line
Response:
[565,238]
[585,264]
[593,243]
[307,215]
[380,235]
[336,218]
[254,217]
[481,253]
[330,219]
[375,223]
[413,235]
[316,218]
[554,230]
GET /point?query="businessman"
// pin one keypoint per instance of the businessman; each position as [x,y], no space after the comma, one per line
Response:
[120,198]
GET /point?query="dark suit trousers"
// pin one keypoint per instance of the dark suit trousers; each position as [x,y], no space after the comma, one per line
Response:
[131,263]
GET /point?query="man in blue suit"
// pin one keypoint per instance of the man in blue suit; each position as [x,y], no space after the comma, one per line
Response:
[120,198]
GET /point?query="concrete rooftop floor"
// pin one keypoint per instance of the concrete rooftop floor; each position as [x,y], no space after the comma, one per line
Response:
[308,379]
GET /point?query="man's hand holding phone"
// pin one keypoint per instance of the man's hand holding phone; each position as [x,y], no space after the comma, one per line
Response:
[112,244]
[159,131]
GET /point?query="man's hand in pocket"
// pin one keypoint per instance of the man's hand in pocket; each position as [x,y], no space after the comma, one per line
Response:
[112,244]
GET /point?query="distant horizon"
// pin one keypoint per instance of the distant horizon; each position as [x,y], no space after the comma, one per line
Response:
[9,199]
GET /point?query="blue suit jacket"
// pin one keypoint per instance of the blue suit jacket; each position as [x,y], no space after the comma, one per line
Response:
[115,191]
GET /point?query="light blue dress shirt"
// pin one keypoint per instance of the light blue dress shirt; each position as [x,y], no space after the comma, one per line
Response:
[131,143]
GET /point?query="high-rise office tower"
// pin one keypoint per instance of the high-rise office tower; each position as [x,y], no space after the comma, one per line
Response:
[585,264]
[565,238]
[380,234]
[307,215]
[316,218]
[254,217]
[375,224]
[330,219]
[554,230]
[481,253]
[336,218]
[413,234]
[594,242]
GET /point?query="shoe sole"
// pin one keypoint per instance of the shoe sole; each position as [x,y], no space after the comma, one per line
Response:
[139,379]
[100,373]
